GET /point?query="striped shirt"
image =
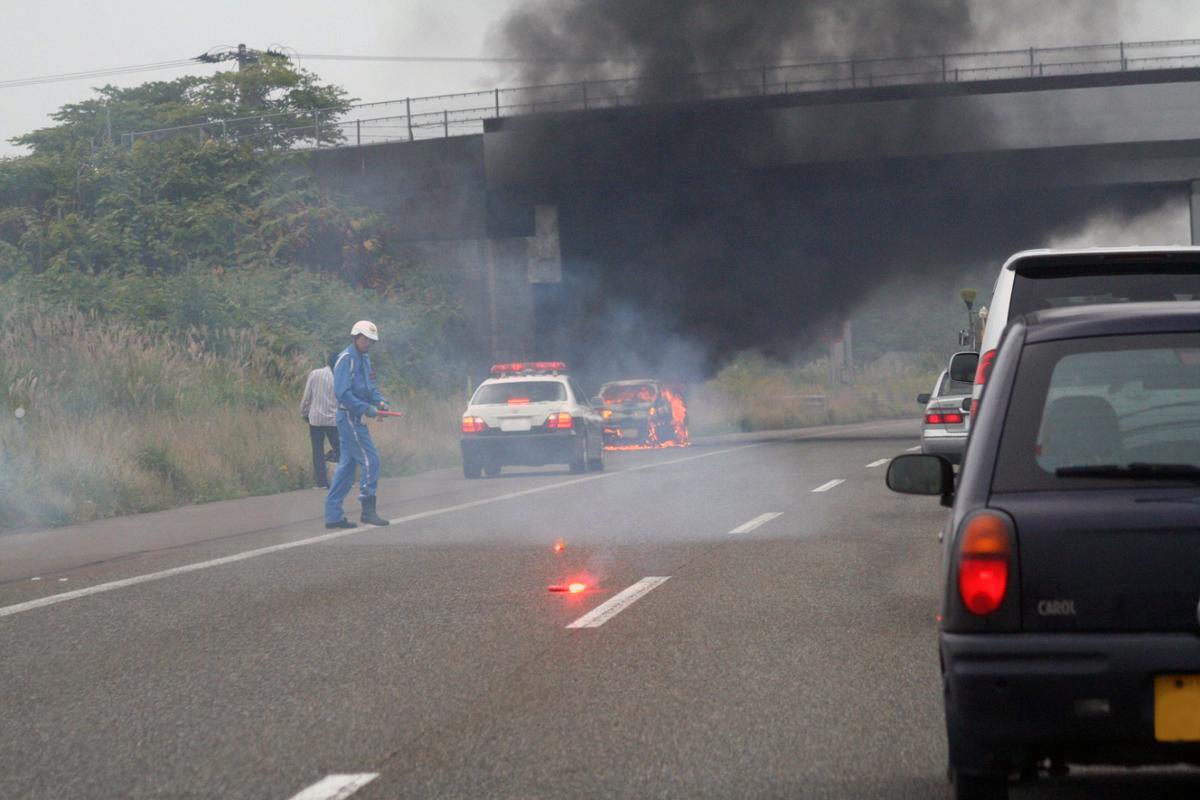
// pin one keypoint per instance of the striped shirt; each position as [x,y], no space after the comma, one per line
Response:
[319,404]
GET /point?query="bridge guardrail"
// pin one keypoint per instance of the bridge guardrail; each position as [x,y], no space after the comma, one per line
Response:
[447,115]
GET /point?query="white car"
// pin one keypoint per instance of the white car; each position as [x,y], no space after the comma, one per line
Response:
[530,414]
[944,428]
[1037,280]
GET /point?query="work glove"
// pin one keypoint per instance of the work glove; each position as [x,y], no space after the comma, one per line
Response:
[384,405]
[371,412]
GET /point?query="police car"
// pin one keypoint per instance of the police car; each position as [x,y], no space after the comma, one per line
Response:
[530,414]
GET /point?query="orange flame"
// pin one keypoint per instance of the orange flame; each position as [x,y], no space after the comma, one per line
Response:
[679,436]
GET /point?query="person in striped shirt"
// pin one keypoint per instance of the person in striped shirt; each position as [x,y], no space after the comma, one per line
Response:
[319,409]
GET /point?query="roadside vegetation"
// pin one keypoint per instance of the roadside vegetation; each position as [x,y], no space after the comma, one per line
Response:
[754,393]
[161,304]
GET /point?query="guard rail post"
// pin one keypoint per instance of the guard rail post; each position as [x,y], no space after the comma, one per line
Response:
[408,116]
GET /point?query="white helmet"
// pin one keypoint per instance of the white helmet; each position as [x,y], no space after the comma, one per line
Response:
[366,328]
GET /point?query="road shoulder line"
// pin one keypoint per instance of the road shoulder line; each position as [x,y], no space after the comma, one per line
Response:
[62,597]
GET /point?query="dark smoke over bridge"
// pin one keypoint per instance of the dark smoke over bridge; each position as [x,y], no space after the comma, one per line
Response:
[725,257]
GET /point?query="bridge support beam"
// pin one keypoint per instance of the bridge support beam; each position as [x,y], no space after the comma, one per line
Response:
[1194,203]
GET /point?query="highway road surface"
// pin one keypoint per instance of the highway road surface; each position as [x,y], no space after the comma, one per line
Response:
[759,622]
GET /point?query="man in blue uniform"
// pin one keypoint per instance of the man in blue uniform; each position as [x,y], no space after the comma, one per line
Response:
[357,397]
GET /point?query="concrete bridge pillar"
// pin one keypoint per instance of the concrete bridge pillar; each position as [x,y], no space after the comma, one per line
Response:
[1194,202]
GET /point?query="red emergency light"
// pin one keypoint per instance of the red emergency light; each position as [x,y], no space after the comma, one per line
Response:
[518,367]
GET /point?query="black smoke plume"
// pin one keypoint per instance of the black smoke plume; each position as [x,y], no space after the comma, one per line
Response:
[730,257]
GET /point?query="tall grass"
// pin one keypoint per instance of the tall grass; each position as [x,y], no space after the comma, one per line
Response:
[754,393]
[117,420]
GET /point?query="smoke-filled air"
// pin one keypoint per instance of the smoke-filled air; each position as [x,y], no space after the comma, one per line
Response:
[750,253]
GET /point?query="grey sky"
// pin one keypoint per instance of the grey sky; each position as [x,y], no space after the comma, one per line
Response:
[48,37]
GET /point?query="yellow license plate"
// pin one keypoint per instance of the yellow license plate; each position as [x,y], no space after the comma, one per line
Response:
[1177,708]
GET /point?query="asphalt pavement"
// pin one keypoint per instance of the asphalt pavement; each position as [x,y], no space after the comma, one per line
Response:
[759,621]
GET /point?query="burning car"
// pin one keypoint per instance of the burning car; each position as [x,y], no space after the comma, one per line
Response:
[643,414]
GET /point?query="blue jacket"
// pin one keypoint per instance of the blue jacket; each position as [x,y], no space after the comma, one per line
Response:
[352,382]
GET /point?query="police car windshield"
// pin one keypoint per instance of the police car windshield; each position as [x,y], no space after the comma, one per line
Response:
[525,391]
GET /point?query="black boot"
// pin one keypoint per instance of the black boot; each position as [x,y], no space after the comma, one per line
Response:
[369,517]
[342,523]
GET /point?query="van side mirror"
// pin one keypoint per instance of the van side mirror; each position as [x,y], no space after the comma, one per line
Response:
[923,398]
[963,365]
[921,474]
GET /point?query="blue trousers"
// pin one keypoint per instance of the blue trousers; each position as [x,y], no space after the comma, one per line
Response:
[357,451]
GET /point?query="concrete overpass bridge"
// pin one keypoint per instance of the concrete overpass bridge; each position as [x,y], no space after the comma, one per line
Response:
[734,214]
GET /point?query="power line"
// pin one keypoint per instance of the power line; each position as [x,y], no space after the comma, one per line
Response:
[464,59]
[99,73]
[211,58]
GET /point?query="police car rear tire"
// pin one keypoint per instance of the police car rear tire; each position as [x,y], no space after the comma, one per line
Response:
[471,470]
[579,462]
[597,464]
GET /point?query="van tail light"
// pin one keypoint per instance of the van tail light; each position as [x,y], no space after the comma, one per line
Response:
[946,418]
[933,419]
[982,373]
[560,422]
[473,425]
[985,553]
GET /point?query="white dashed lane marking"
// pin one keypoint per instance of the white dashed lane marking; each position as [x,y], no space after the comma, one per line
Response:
[760,520]
[913,449]
[825,487]
[617,603]
[878,463]
[336,787]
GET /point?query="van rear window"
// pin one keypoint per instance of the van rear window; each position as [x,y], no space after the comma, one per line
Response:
[1045,288]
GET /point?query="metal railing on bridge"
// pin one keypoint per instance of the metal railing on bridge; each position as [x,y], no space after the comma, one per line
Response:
[444,116]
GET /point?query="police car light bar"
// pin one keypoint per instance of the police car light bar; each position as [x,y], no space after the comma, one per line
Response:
[519,367]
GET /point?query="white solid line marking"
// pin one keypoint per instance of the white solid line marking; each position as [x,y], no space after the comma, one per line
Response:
[758,521]
[825,487]
[617,603]
[62,597]
[878,463]
[913,449]
[336,787]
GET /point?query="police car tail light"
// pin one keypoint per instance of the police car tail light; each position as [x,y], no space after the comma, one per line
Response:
[473,425]
[985,551]
[560,422]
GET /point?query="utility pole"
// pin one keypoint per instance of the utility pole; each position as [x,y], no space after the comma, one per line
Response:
[243,57]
